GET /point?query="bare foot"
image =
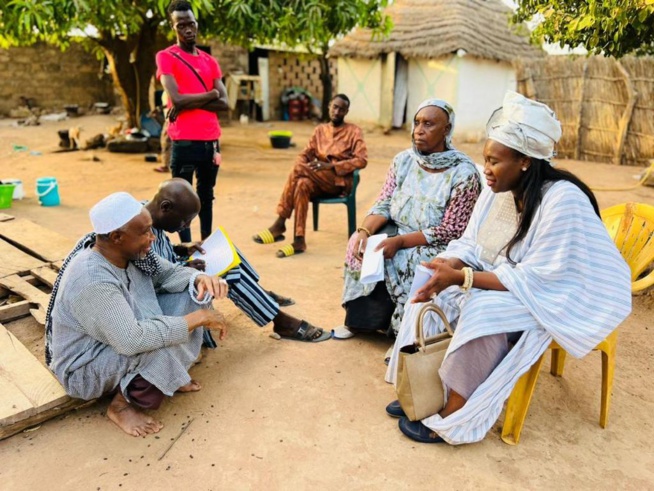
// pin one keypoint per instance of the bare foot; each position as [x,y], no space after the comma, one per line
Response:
[192,386]
[129,419]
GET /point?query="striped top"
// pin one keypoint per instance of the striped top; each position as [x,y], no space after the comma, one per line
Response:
[162,246]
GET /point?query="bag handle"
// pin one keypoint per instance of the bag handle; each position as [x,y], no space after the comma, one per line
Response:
[420,333]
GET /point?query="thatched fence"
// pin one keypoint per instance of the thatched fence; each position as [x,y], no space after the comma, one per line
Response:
[606,107]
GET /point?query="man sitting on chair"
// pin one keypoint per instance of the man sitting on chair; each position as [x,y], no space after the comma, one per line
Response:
[324,168]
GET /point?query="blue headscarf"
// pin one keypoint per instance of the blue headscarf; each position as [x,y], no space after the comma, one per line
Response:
[438,160]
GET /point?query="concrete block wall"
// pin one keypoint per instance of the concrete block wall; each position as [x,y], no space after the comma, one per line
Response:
[289,70]
[230,58]
[52,78]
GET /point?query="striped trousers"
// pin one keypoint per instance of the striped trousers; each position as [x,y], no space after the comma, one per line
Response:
[247,294]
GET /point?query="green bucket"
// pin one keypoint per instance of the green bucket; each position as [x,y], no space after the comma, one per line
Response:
[6,195]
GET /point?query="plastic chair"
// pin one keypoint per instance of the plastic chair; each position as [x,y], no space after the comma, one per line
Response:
[631,226]
[349,201]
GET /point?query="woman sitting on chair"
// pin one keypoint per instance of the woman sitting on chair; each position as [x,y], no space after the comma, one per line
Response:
[534,264]
[429,193]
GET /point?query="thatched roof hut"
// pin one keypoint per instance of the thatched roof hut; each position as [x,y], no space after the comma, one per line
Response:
[434,28]
[458,50]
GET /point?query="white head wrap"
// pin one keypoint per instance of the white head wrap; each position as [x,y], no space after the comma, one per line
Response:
[525,125]
[113,212]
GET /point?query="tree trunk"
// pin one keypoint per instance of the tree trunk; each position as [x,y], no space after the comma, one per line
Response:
[326,79]
[132,64]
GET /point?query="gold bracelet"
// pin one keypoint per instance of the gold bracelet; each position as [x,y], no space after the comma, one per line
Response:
[364,229]
[468,279]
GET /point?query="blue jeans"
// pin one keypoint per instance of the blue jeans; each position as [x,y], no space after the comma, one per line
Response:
[197,157]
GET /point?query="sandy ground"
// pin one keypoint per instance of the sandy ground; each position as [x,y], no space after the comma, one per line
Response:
[284,415]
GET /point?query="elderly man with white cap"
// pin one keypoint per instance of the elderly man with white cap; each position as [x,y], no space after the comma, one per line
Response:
[124,321]
[534,264]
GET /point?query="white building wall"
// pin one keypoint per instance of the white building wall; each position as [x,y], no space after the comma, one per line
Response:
[429,79]
[481,89]
[361,81]
[473,86]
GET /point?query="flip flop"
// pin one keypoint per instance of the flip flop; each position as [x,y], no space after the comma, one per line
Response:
[281,301]
[162,169]
[266,237]
[287,251]
[305,331]
[342,332]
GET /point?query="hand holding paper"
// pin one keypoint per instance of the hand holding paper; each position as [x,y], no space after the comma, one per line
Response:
[219,253]
[420,277]
[372,267]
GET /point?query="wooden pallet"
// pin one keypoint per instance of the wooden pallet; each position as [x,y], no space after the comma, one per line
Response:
[44,244]
[27,387]
[18,286]
[30,394]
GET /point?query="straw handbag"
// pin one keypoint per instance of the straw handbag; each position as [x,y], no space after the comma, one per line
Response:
[419,387]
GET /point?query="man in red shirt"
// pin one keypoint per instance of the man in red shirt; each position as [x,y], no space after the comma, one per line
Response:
[192,80]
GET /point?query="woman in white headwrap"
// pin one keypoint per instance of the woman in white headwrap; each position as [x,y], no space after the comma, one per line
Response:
[429,193]
[534,264]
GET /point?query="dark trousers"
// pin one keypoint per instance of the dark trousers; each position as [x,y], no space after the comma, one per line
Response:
[197,157]
[143,394]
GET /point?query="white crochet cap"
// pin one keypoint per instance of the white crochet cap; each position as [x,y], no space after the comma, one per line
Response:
[113,212]
[525,125]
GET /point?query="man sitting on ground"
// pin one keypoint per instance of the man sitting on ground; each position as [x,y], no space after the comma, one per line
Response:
[173,208]
[124,321]
[324,168]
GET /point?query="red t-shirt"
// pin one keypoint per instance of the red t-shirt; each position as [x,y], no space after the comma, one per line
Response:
[191,124]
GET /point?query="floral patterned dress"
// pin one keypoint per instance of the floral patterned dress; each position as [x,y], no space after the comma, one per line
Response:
[437,204]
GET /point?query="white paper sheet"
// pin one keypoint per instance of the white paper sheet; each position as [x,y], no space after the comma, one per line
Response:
[420,277]
[219,253]
[372,267]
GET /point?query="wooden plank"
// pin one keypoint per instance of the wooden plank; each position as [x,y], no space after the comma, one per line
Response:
[15,261]
[43,416]
[14,311]
[23,377]
[5,218]
[58,265]
[13,403]
[29,292]
[29,278]
[39,315]
[46,274]
[37,240]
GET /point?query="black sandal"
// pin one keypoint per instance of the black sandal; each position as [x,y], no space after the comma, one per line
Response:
[308,334]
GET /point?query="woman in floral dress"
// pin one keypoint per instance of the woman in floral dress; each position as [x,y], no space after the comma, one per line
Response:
[429,193]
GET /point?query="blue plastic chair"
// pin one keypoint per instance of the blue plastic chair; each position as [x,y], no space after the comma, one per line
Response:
[350,201]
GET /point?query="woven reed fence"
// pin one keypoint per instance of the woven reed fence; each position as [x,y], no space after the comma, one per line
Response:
[606,106]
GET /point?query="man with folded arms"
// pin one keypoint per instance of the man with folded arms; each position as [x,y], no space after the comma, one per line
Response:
[126,322]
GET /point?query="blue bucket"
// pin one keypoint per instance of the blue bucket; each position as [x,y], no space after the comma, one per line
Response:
[47,190]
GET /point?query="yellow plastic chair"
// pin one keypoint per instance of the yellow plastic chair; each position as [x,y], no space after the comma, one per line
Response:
[631,226]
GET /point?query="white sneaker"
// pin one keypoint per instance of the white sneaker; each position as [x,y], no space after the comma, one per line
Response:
[342,332]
